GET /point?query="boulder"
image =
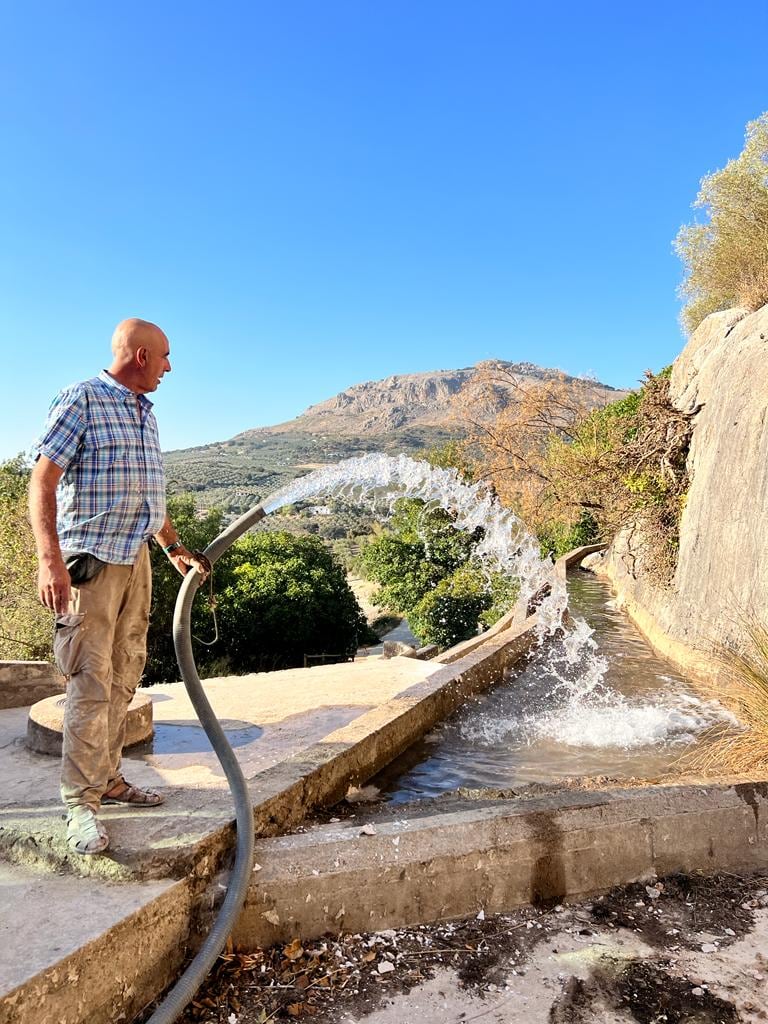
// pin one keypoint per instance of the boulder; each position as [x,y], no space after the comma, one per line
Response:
[397,649]
[592,562]
[720,380]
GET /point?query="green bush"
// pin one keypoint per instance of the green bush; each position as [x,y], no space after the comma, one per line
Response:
[286,597]
[451,612]
[426,571]
[559,537]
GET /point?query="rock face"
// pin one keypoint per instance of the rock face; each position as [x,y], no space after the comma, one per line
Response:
[409,400]
[720,380]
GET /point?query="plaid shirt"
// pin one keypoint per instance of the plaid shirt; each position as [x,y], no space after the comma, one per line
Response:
[111,497]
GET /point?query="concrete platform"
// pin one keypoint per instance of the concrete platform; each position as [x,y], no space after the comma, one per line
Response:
[76,950]
[302,738]
[288,728]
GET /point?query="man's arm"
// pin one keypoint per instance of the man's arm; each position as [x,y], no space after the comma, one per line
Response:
[53,582]
[181,557]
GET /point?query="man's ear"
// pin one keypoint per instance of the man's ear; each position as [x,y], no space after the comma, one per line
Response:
[141,357]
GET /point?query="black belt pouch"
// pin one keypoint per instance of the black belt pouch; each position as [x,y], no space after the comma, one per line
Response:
[82,566]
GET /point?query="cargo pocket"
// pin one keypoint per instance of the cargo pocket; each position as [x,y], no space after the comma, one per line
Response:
[67,641]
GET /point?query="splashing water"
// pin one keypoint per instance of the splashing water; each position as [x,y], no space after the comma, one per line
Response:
[581,710]
[379,480]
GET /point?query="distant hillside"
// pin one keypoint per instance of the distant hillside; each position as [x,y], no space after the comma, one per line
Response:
[406,413]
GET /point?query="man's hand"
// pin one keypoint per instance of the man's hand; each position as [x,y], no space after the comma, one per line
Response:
[184,560]
[54,586]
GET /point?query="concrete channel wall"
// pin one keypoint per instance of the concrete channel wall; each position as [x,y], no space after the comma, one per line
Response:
[497,855]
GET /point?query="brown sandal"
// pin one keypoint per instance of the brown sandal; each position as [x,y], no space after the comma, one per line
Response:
[128,794]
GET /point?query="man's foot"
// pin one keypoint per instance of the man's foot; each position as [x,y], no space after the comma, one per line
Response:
[124,793]
[85,833]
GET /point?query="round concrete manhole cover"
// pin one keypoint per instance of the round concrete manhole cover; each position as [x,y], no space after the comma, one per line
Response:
[45,723]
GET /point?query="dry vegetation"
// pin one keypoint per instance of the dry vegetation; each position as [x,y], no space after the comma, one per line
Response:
[742,685]
[576,472]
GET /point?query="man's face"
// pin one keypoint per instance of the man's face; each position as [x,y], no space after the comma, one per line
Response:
[154,360]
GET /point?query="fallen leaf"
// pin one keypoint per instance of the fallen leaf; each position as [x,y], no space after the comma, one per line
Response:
[293,950]
[272,916]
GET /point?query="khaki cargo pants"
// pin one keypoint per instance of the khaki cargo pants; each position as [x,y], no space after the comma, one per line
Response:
[101,644]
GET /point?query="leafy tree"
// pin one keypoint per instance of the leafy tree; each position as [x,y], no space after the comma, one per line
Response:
[511,424]
[196,533]
[450,613]
[418,550]
[426,571]
[726,257]
[287,597]
[26,628]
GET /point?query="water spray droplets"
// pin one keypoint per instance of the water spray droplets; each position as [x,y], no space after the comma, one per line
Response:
[379,480]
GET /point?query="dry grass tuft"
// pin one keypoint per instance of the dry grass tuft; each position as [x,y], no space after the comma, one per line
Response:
[743,689]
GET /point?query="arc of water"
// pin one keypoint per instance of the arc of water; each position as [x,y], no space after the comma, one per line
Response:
[506,545]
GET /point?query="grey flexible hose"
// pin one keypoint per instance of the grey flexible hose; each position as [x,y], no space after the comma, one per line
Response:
[185,988]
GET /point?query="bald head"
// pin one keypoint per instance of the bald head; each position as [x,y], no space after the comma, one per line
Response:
[140,352]
[132,334]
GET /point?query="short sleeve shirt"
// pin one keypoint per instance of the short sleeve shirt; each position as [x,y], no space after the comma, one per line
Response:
[111,496]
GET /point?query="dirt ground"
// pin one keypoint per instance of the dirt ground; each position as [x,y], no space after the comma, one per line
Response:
[687,948]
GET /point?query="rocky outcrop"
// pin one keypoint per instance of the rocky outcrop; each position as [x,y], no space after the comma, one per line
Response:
[721,381]
[410,400]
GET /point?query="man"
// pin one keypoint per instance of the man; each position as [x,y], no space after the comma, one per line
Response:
[96,497]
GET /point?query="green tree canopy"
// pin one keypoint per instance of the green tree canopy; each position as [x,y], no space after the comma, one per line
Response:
[426,570]
[726,257]
[286,597]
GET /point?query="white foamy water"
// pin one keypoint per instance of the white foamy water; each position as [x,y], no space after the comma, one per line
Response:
[625,724]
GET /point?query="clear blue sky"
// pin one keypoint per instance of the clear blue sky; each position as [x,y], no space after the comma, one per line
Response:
[306,195]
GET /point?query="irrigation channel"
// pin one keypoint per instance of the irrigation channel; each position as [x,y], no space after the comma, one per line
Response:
[593,700]
[591,704]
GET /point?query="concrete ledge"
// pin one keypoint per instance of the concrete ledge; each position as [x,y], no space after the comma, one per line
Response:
[45,725]
[24,682]
[119,947]
[495,857]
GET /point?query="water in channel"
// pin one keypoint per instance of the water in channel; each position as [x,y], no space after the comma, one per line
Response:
[605,705]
